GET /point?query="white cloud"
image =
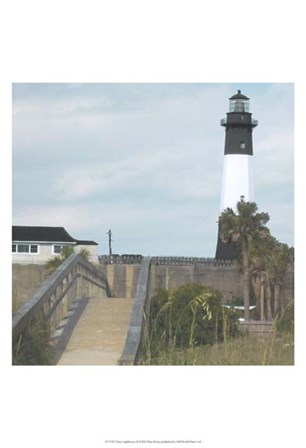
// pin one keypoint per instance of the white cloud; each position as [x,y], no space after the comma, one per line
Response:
[72,217]
[274,158]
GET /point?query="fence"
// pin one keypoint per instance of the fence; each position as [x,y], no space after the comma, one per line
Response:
[191,261]
[120,259]
[170,261]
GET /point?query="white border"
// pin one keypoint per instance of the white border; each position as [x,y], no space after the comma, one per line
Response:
[166,41]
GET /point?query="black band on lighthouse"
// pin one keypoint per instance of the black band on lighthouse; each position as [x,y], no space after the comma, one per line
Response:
[238,133]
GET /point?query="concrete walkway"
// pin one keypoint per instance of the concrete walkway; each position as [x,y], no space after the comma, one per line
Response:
[99,335]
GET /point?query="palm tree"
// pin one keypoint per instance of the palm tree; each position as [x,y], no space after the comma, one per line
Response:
[241,229]
[85,253]
[260,256]
[280,260]
[258,278]
[54,262]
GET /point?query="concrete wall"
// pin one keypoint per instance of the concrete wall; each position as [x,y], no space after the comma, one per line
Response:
[26,280]
[226,279]
[122,278]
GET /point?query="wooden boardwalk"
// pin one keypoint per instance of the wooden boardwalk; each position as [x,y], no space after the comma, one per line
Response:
[94,332]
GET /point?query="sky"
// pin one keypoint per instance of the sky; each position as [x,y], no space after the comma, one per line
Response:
[144,160]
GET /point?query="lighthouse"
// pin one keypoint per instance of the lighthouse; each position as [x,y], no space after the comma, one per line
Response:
[237,181]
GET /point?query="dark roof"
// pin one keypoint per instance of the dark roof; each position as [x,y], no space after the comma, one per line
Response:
[45,234]
[87,243]
[239,96]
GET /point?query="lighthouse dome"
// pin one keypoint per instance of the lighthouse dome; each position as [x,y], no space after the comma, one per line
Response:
[239,96]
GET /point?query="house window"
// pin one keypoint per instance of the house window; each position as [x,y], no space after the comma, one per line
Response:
[23,248]
[57,249]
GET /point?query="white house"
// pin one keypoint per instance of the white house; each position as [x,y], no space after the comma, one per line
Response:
[31,244]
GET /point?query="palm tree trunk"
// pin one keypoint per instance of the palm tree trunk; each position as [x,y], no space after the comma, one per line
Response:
[276,298]
[246,280]
[256,288]
[282,300]
[285,295]
[262,299]
[268,295]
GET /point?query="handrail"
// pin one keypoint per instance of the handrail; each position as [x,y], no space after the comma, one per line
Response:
[135,329]
[56,288]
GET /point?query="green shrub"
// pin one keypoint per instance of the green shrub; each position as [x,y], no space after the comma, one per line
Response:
[189,316]
[285,324]
[32,346]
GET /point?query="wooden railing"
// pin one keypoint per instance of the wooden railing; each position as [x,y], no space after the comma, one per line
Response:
[76,277]
[137,320]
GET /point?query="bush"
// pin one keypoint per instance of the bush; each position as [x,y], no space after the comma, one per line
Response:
[32,346]
[191,315]
[285,324]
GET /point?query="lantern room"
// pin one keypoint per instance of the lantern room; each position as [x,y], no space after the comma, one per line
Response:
[239,103]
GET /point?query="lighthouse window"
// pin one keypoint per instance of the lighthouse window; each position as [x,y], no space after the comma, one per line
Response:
[242,145]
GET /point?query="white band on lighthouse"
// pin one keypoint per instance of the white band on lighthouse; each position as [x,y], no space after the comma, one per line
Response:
[237,180]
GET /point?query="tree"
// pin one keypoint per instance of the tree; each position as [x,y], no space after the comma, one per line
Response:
[260,255]
[241,229]
[279,261]
[54,262]
[85,253]
[269,261]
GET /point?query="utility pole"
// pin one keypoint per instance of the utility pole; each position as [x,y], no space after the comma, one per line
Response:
[109,233]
